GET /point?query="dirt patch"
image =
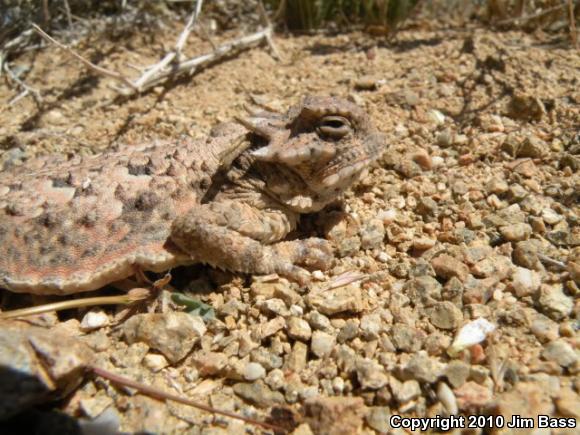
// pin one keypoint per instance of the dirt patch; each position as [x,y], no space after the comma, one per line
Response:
[471,213]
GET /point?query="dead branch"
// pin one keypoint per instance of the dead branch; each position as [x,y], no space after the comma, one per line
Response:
[267,24]
[154,70]
[102,71]
[525,18]
[195,64]
[170,66]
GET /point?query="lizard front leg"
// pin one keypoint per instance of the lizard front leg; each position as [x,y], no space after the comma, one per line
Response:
[241,237]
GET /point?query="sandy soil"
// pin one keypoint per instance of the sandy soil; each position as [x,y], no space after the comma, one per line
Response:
[471,213]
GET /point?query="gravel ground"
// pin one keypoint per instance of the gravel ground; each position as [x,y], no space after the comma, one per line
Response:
[472,213]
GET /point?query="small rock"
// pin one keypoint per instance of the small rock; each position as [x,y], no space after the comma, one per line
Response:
[423,368]
[525,282]
[526,398]
[335,415]
[457,373]
[567,403]
[423,290]
[298,329]
[274,306]
[516,232]
[55,117]
[253,371]
[436,343]
[423,243]
[446,266]
[543,327]
[445,315]
[275,379]
[561,352]
[526,255]
[344,235]
[378,418]
[344,299]
[302,429]
[319,321]
[210,363]
[497,186]
[259,394]
[322,343]
[445,138]
[271,327]
[372,234]
[550,217]
[496,266]
[173,334]
[426,207]
[155,362]
[94,319]
[370,326]
[349,331]
[38,365]
[371,374]
[266,358]
[527,107]
[288,295]
[368,83]
[406,338]
[472,396]
[404,391]
[554,303]
[532,147]
[296,360]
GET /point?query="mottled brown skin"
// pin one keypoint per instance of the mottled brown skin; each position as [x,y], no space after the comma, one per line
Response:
[228,201]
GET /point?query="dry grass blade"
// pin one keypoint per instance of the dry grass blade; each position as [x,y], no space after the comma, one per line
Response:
[162,395]
[133,296]
[345,279]
[105,72]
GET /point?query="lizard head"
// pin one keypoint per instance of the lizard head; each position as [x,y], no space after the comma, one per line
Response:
[315,151]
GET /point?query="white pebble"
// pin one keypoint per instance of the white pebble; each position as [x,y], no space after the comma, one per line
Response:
[318,275]
[436,116]
[472,333]
[338,385]
[254,371]
[154,362]
[437,161]
[94,320]
[447,398]
[383,257]
[550,216]
[296,310]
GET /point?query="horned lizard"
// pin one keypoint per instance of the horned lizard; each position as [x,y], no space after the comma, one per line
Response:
[228,201]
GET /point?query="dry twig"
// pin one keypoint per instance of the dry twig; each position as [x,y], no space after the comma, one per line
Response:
[26,89]
[162,395]
[163,70]
[525,18]
[173,56]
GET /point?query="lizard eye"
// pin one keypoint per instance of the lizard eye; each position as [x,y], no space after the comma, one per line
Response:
[334,127]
